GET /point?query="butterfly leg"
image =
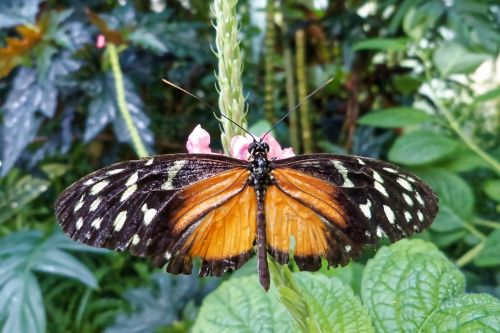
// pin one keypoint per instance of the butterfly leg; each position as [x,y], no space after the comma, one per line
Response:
[261,244]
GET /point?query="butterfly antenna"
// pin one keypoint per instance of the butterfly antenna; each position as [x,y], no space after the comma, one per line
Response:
[297,106]
[207,105]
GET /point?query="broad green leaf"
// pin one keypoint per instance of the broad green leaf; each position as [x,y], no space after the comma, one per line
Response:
[16,196]
[492,94]
[406,283]
[451,189]
[421,16]
[24,310]
[489,256]
[241,305]
[466,313]
[55,261]
[453,58]
[383,44]
[350,275]
[395,117]
[21,253]
[421,147]
[334,305]
[492,189]
[447,220]
[444,239]
[463,160]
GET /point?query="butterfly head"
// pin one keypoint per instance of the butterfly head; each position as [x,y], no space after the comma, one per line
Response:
[258,148]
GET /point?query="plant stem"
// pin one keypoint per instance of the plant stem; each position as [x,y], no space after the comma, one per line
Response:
[230,68]
[137,143]
[268,59]
[470,255]
[486,223]
[290,92]
[302,88]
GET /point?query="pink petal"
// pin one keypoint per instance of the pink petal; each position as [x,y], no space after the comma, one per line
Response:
[239,146]
[275,150]
[100,42]
[198,141]
[287,152]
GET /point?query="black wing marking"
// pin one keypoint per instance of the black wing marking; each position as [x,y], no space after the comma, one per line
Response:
[381,199]
[118,207]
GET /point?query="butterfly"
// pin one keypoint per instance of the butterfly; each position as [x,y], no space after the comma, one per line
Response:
[174,208]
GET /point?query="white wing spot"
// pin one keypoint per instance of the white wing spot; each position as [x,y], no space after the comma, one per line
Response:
[120,220]
[380,232]
[366,208]
[420,216]
[343,171]
[381,189]
[410,179]
[79,204]
[79,223]
[114,172]
[128,192]
[89,182]
[96,223]
[149,214]
[408,200]
[348,248]
[407,216]
[405,184]
[132,179]
[172,172]
[149,162]
[419,198]
[168,255]
[95,204]
[360,161]
[377,177]
[390,214]
[390,170]
[136,239]
[98,187]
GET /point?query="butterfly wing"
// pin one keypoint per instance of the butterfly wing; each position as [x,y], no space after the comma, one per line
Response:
[164,207]
[341,203]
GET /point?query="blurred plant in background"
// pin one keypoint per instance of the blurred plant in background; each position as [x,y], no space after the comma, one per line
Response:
[415,82]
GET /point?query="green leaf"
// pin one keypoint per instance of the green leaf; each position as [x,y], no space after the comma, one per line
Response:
[406,283]
[489,255]
[395,117]
[421,147]
[55,261]
[447,220]
[383,44]
[350,275]
[492,94]
[453,58]
[451,189]
[17,195]
[334,305]
[21,253]
[463,160]
[492,189]
[466,313]
[241,305]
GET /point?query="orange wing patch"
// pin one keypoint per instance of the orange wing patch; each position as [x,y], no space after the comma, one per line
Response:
[216,221]
[304,207]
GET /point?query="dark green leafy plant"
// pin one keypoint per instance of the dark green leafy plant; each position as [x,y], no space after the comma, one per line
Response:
[408,287]
[21,255]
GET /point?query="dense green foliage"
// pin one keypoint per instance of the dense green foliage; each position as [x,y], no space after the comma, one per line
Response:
[411,85]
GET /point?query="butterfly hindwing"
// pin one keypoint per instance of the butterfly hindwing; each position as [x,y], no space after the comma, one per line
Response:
[367,199]
[123,206]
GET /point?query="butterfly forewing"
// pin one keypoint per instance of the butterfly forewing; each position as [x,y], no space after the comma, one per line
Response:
[123,206]
[377,198]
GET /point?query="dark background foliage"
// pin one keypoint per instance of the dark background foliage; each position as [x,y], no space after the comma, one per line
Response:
[406,89]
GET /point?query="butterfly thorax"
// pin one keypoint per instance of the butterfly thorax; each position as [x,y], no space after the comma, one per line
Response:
[259,168]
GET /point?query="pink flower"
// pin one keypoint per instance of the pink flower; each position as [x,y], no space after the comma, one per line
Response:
[100,42]
[199,140]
